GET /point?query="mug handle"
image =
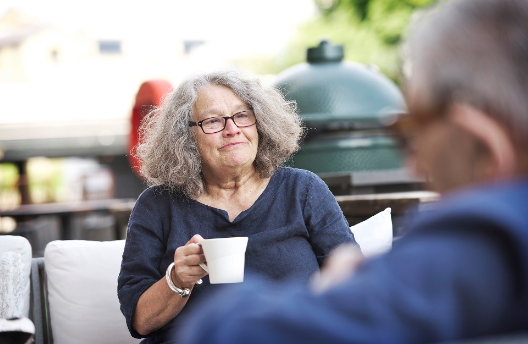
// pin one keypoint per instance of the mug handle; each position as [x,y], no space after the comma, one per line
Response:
[203,265]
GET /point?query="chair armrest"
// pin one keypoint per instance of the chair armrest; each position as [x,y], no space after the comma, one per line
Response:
[39,302]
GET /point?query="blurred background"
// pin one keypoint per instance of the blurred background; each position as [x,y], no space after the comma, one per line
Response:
[71,71]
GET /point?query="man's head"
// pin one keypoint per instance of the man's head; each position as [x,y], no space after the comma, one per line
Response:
[469,86]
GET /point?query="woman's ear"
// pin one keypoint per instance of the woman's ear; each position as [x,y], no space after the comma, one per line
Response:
[493,137]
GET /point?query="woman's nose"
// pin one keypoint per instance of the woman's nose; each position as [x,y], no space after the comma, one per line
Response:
[230,127]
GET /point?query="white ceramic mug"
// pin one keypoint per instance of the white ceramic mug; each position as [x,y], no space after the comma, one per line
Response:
[225,259]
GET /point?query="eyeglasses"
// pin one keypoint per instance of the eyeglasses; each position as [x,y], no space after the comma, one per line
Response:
[216,124]
[404,127]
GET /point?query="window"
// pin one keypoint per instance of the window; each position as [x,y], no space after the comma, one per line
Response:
[110,47]
[189,46]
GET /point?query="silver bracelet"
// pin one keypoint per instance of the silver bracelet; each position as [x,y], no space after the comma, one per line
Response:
[182,292]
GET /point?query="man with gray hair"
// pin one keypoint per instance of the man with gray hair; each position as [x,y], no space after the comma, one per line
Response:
[461,269]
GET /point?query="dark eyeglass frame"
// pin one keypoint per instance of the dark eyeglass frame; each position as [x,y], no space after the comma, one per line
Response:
[405,126]
[232,117]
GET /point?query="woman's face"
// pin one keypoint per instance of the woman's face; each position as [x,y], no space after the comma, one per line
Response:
[231,148]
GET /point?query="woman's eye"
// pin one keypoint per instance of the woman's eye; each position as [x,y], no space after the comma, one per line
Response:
[213,121]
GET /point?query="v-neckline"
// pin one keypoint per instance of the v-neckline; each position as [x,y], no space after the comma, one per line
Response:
[244,213]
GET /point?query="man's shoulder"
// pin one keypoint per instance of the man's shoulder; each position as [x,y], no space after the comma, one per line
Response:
[501,203]
[498,198]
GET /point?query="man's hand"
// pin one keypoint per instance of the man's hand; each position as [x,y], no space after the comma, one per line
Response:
[339,266]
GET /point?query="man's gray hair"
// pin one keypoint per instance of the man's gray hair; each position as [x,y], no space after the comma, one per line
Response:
[473,52]
[168,151]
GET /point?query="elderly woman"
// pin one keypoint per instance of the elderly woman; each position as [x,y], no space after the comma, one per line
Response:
[214,153]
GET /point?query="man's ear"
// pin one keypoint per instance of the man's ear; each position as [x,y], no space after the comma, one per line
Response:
[490,134]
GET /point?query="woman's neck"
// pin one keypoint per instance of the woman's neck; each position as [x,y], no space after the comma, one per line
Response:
[228,186]
[233,193]
[231,179]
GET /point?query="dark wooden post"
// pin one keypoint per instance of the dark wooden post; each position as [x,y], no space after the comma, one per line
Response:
[23,182]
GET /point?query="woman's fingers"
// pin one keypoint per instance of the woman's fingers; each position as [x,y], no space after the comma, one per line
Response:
[185,276]
[188,250]
[195,239]
[191,247]
[190,260]
[186,262]
[189,274]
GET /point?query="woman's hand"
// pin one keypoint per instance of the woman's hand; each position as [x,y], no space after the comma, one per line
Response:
[159,304]
[186,259]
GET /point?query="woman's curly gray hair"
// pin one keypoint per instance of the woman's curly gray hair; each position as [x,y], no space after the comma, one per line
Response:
[168,152]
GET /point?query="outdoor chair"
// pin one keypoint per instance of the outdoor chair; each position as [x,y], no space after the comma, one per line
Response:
[16,325]
[15,249]
[74,286]
[74,289]
[374,235]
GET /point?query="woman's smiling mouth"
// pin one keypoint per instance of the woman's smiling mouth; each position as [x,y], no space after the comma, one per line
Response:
[232,145]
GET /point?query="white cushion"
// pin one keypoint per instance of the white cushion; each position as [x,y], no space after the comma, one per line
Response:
[374,235]
[82,292]
[20,245]
[11,285]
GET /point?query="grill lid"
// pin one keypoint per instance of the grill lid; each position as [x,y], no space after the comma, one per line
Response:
[336,95]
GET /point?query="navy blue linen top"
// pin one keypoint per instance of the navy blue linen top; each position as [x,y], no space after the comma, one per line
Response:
[461,271]
[292,227]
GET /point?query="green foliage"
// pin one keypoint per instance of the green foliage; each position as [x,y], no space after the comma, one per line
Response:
[389,19]
[361,43]
[8,175]
[371,32]
[419,3]
[45,178]
[9,196]
[358,7]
